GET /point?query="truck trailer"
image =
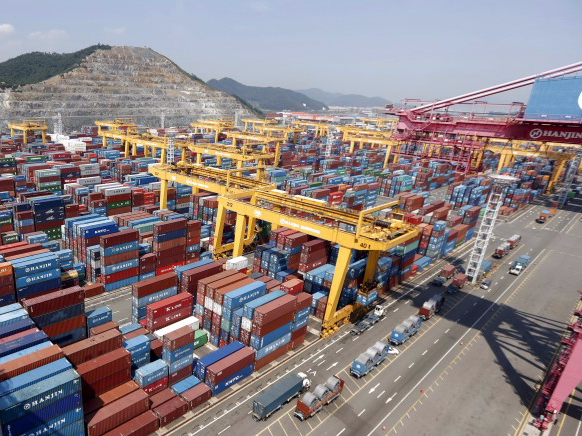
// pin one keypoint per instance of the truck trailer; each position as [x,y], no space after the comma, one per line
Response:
[431,306]
[405,330]
[273,398]
[521,263]
[371,358]
[312,402]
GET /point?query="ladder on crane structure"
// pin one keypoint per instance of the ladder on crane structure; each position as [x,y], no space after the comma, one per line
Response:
[487,226]
[171,151]
[569,177]
[328,143]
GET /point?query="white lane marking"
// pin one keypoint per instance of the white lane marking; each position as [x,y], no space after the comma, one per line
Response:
[411,365]
[371,328]
[578,428]
[341,431]
[222,431]
[123,319]
[355,339]
[502,277]
[339,350]
[321,363]
[396,310]
[453,347]
[374,388]
[332,365]
[397,378]
[117,311]
[360,414]
[436,341]
[317,358]
[381,393]
[483,296]
[391,398]
[425,351]
[447,330]
[407,301]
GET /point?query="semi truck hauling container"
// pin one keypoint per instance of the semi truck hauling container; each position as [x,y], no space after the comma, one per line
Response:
[312,402]
[514,241]
[502,250]
[371,358]
[272,399]
[431,306]
[544,215]
[521,263]
[405,330]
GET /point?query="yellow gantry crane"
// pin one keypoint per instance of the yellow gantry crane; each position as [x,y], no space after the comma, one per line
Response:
[31,125]
[213,125]
[357,135]
[351,230]
[248,140]
[321,128]
[255,124]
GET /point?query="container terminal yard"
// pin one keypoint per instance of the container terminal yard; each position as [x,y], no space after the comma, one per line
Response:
[411,273]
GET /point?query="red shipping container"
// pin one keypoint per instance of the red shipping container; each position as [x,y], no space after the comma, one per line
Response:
[142,425]
[296,342]
[268,312]
[28,362]
[197,395]
[263,329]
[292,287]
[156,348]
[104,365]
[66,325]
[229,365]
[171,410]
[93,347]
[169,318]
[119,257]
[169,305]
[202,283]
[54,301]
[168,268]
[133,334]
[304,300]
[178,338]
[220,293]
[299,332]
[157,386]
[105,398]
[265,360]
[181,374]
[103,328]
[154,284]
[117,412]
[106,384]
[161,397]
[93,289]
[117,238]
[212,286]
[245,337]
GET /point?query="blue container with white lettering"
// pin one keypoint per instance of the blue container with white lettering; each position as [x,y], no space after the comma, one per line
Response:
[128,328]
[232,380]
[151,372]
[181,363]
[59,315]
[49,417]
[237,298]
[258,342]
[273,346]
[25,351]
[42,276]
[35,288]
[16,327]
[177,354]
[249,308]
[28,378]
[214,356]
[23,342]
[61,427]
[39,395]
[119,248]
[137,345]
[156,296]
[99,316]
[121,266]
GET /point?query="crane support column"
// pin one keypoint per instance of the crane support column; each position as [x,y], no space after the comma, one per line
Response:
[163,194]
[183,157]
[373,257]
[163,157]
[239,236]
[219,227]
[556,174]
[387,157]
[352,144]
[341,268]
[277,153]
[126,143]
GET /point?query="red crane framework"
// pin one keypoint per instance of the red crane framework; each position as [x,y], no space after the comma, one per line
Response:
[430,130]
[564,374]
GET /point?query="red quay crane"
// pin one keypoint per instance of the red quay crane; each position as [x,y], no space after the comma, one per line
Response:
[431,130]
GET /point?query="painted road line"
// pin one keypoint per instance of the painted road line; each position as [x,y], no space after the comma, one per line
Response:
[411,365]
[396,310]
[321,363]
[339,350]
[397,378]
[222,431]
[341,431]
[447,330]
[355,339]
[453,347]
[360,414]
[425,351]
[436,341]
[380,394]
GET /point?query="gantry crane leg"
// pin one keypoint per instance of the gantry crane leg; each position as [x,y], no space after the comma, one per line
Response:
[371,264]
[126,145]
[341,268]
[163,194]
[556,175]
[387,157]
[239,232]
[219,228]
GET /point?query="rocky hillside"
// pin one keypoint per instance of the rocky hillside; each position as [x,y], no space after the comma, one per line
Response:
[120,82]
[268,98]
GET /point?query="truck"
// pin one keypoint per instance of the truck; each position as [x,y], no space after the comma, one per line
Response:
[273,398]
[514,241]
[371,358]
[501,250]
[446,272]
[521,263]
[375,316]
[405,330]
[431,306]
[459,281]
[544,215]
[312,402]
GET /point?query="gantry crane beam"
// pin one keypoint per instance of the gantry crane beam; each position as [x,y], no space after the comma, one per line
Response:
[362,136]
[259,139]
[216,125]
[249,123]
[320,128]
[32,125]
[351,230]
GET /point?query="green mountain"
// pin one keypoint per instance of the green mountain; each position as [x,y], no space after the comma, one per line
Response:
[349,100]
[35,67]
[267,98]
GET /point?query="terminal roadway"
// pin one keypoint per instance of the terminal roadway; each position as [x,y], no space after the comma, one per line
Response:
[472,369]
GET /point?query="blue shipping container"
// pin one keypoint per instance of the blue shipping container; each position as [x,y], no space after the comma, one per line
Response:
[214,357]
[233,379]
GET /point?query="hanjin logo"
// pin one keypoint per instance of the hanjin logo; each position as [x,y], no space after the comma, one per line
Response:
[535,133]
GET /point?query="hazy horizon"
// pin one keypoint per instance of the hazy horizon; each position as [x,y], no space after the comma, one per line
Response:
[424,49]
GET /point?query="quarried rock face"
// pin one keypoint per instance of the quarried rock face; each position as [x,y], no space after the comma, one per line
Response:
[120,82]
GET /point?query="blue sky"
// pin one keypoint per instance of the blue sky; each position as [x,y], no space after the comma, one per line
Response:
[426,49]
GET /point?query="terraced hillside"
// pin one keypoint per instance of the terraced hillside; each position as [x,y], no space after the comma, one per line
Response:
[120,82]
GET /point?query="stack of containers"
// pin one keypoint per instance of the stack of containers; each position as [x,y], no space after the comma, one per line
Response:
[61,314]
[113,415]
[298,328]
[193,233]
[35,274]
[118,200]
[7,287]
[140,349]
[169,244]
[313,254]
[149,291]
[203,308]
[178,353]
[169,310]
[49,214]
[219,376]
[152,377]
[44,399]
[119,256]
[437,240]
[105,372]
[101,315]
[49,180]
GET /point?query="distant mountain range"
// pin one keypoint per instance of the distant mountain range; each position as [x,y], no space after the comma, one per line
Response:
[349,100]
[267,98]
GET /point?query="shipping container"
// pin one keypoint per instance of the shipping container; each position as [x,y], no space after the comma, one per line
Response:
[229,365]
[117,412]
[214,356]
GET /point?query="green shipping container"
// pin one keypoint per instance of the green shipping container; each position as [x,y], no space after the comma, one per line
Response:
[120,203]
[53,232]
[200,338]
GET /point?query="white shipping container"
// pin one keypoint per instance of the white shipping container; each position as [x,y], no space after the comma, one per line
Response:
[208,303]
[237,263]
[217,308]
[191,322]
[246,324]
[86,181]
[116,191]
